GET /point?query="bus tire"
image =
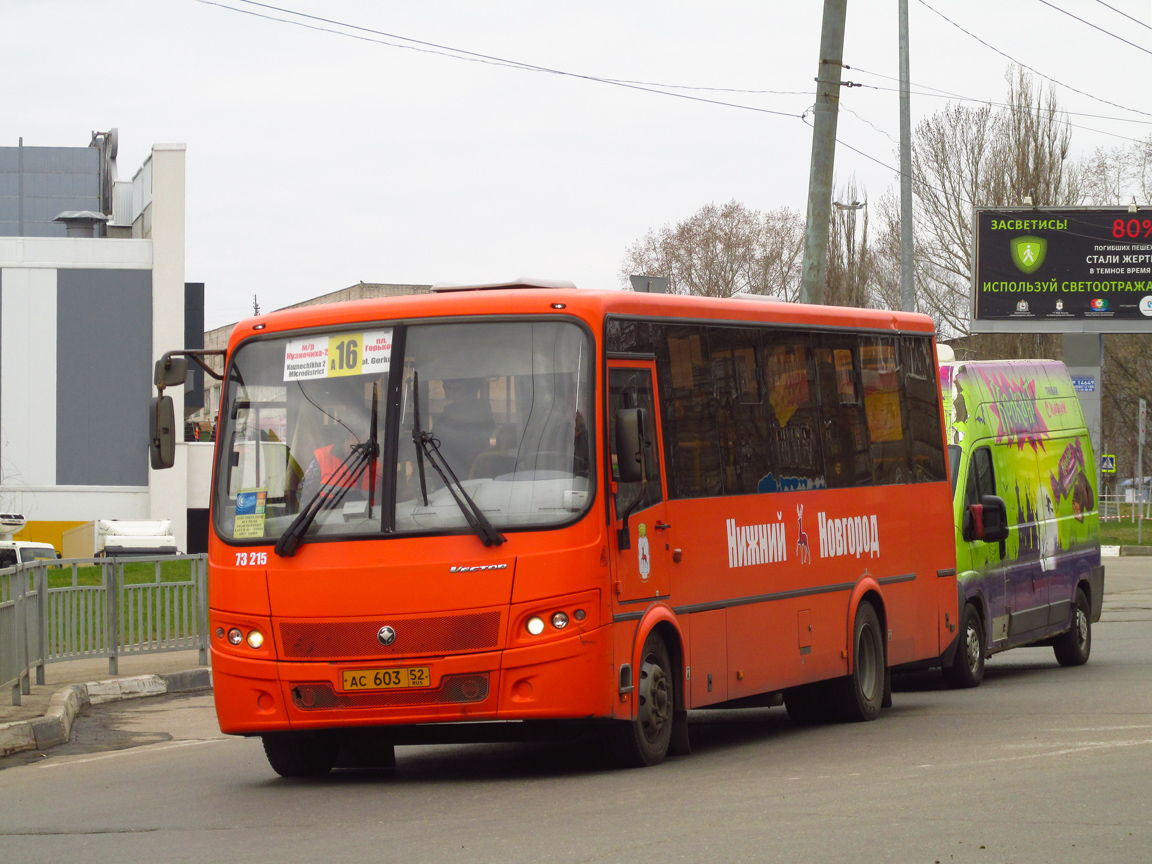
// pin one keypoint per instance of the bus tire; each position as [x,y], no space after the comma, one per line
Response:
[862,692]
[1072,648]
[644,740]
[967,669]
[301,754]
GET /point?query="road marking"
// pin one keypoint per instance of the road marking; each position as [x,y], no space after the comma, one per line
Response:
[148,748]
[1081,748]
[1101,728]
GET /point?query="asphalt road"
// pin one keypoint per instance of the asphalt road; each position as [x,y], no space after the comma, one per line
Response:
[1040,764]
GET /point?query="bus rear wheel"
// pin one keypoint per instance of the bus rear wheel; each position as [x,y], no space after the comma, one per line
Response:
[645,739]
[301,754]
[862,692]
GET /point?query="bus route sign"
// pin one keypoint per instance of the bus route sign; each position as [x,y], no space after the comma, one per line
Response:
[1070,264]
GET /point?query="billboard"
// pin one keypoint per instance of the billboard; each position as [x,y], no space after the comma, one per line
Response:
[1062,265]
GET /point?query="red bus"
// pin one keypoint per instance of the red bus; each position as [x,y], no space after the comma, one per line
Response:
[526,502]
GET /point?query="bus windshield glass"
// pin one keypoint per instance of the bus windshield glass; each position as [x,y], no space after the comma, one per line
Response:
[507,407]
[305,426]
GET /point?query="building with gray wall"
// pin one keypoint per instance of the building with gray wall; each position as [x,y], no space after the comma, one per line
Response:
[82,320]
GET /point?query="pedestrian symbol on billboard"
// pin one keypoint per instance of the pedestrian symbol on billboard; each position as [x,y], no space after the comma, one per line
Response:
[1028,253]
[1108,463]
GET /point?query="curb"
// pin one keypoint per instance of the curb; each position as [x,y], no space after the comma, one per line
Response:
[55,726]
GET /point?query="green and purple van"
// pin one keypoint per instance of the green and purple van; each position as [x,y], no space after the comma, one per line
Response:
[1024,500]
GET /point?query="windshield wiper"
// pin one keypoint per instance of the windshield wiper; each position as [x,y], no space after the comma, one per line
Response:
[427,445]
[417,435]
[477,521]
[341,481]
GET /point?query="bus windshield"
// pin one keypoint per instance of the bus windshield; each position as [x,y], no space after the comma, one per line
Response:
[308,423]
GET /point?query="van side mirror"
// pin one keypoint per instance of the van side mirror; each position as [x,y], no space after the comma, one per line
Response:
[631,429]
[995,518]
[170,371]
[986,521]
[161,432]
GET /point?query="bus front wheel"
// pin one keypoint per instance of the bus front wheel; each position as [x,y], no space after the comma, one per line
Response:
[301,754]
[645,739]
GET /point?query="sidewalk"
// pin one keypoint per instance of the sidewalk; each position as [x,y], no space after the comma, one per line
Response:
[44,717]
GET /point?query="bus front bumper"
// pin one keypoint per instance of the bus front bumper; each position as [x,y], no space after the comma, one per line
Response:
[565,678]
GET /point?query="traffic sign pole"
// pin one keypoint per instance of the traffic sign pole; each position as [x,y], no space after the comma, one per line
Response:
[1140,470]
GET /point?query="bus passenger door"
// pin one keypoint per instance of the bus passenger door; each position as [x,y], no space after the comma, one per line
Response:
[642,551]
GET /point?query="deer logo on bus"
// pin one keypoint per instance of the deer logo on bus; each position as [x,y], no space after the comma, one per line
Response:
[802,549]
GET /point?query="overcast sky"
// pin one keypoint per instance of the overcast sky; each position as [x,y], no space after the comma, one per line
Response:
[317,160]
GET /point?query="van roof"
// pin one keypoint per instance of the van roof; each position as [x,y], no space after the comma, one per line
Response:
[1009,400]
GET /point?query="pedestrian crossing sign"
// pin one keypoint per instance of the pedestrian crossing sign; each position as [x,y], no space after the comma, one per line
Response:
[1108,463]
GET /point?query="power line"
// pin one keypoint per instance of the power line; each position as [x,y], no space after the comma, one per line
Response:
[1124,14]
[938,94]
[472,56]
[1095,27]
[1026,66]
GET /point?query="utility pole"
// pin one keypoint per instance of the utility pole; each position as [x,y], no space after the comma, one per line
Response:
[823,151]
[907,273]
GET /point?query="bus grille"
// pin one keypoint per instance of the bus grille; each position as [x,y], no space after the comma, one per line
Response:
[442,634]
[319,695]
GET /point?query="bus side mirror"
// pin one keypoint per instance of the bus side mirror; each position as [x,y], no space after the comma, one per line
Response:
[995,518]
[170,371]
[630,435]
[161,432]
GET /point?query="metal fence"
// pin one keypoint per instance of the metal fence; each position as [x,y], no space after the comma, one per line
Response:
[96,607]
[1119,508]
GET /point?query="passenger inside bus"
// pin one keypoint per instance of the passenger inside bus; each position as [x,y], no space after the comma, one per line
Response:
[464,428]
[337,440]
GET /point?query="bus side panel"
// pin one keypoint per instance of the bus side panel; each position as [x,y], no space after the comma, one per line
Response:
[709,683]
[770,559]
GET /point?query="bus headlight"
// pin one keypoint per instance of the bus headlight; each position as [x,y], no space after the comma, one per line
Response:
[535,625]
[559,620]
[235,637]
[255,639]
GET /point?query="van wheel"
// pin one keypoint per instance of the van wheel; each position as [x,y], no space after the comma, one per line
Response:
[967,669]
[1072,648]
[862,692]
[301,754]
[644,740]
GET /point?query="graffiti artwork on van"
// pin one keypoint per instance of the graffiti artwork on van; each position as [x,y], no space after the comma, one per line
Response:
[1070,480]
[1015,409]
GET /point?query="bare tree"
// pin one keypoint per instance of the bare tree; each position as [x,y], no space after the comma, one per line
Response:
[720,250]
[851,273]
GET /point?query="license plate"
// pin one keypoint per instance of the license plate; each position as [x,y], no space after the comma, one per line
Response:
[387,679]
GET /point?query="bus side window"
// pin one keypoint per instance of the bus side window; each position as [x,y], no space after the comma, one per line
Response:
[923,407]
[884,400]
[632,388]
[847,457]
